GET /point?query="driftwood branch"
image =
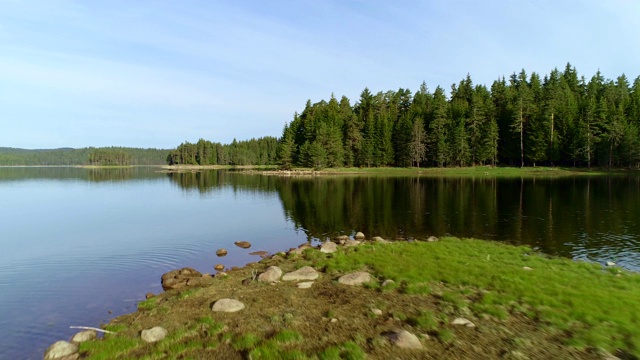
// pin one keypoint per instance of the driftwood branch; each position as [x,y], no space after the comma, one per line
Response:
[91,328]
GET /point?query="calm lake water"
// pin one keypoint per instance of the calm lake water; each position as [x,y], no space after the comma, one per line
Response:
[80,246]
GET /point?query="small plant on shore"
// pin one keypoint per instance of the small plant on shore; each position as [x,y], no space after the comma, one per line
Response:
[446,336]
[148,304]
[425,320]
[349,350]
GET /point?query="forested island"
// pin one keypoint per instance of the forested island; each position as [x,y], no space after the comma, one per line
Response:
[525,120]
[106,156]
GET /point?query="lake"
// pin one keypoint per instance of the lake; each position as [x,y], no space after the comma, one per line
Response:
[80,246]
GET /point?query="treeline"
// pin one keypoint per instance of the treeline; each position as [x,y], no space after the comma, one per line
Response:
[109,157]
[83,156]
[261,151]
[559,119]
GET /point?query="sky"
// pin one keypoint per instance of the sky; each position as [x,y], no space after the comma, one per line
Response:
[154,74]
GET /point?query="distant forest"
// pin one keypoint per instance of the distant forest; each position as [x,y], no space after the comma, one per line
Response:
[525,120]
[83,156]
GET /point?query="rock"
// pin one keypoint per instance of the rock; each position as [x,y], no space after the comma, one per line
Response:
[305,284]
[263,254]
[272,274]
[149,295]
[304,246]
[432,239]
[359,236]
[221,252]
[378,239]
[296,251]
[219,267]
[154,334]
[351,243]
[356,278]
[177,279]
[243,244]
[404,339]
[334,320]
[222,274]
[341,238]
[376,312]
[328,247]
[304,273]
[60,349]
[527,268]
[611,263]
[227,305]
[463,321]
[387,282]
[83,336]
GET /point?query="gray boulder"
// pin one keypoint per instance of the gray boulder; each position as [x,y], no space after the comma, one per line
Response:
[404,339]
[356,278]
[272,274]
[359,236]
[227,305]
[305,284]
[328,247]
[60,350]
[154,334]
[86,335]
[350,242]
[304,273]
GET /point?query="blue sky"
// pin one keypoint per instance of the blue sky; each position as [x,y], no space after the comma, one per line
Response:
[157,73]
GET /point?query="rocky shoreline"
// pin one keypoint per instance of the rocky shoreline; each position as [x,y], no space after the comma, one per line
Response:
[264,310]
[185,278]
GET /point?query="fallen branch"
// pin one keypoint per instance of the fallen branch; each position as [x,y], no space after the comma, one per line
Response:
[91,328]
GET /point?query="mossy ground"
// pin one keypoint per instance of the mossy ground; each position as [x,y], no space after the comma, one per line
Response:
[560,309]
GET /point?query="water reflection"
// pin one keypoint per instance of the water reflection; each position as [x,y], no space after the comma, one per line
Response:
[583,217]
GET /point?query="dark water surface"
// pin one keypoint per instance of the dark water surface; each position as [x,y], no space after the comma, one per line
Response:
[79,246]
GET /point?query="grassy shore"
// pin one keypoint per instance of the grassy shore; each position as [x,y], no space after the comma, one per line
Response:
[476,171]
[524,306]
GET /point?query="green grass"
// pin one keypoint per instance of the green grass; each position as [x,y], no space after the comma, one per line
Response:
[475,171]
[590,305]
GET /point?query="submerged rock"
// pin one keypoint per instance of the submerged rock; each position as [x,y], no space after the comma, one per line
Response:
[221,252]
[272,274]
[243,244]
[60,349]
[356,278]
[263,254]
[177,279]
[304,273]
[219,267]
[154,334]
[227,305]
